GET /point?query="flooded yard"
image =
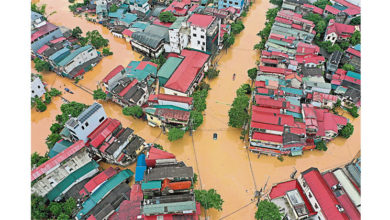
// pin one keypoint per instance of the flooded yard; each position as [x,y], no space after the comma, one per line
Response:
[223,164]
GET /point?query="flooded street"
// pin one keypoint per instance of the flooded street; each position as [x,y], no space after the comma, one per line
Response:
[223,164]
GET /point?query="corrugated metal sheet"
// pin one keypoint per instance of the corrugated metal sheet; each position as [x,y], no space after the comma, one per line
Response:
[348,186]
[169,207]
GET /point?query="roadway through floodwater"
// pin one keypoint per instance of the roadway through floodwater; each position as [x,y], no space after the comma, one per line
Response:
[223,164]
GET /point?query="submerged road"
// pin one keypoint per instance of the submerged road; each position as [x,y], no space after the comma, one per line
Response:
[223,164]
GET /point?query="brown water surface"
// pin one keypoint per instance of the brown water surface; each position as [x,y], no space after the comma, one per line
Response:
[223,164]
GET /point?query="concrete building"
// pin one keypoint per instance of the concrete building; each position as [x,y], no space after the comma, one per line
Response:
[37,87]
[86,122]
[151,41]
[43,34]
[239,4]
[179,34]
[139,6]
[204,32]
[57,175]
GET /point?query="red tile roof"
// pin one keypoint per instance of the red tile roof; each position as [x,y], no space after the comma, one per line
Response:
[57,159]
[173,114]
[187,71]
[324,196]
[270,127]
[276,70]
[293,16]
[265,110]
[173,98]
[42,49]
[304,48]
[43,30]
[127,32]
[332,10]
[273,53]
[156,154]
[297,26]
[281,189]
[128,87]
[340,29]
[103,131]
[343,198]
[315,9]
[353,51]
[113,73]
[165,24]
[201,20]
[310,58]
[275,119]
[271,103]
[271,61]
[60,39]
[260,84]
[95,182]
[267,137]
[283,20]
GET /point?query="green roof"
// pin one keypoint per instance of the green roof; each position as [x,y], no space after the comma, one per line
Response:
[103,190]
[170,107]
[292,90]
[167,69]
[59,147]
[65,132]
[169,207]
[177,23]
[69,180]
[353,75]
[71,56]
[151,185]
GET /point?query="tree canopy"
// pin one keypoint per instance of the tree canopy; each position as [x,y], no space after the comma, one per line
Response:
[175,134]
[41,208]
[353,111]
[252,73]
[348,67]
[212,73]
[96,39]
[135,111]
[106,51]
[199,99]
[76,32]
[267,210]
[355,21]
[167,16]
[113,8]
[355,38]
[228,40]
[41,65]
[321,145]
[40,106]
[209,199]
[54,92]
[347,130]
[41,10]
[237,27]
[98,94]
[37,159]
[160,60]
[238,114]
[322,3]
[197,119]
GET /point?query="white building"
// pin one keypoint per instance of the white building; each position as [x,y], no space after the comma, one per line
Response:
[86,122]
[77,58]
[178,36]
[37,87]
[199,25]
[139,6]
[51,179]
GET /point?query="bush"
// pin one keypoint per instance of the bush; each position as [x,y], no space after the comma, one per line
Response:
[348,67]
[321,145]
[267,210]
[347,130]
[98,94]
[212,73]
[41,65]
[54,92]
[167,16]
[135,111]
[353,111]
[175,134]
[40,106]
[106,51]
[252,73]
[158,146]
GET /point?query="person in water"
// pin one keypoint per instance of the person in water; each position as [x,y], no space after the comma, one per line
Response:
[234,76]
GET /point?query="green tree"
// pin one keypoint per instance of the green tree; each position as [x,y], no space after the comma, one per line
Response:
[344,44]
[99,94]
[204,86]
[252,73]
[167,16]
[135,111]
[76,32]
[322,3]
[175,134]
[199,100]
[41,10]
[320,27]
[267,210]
[96,39]
[347,130]
[83,41]
[41,65]
[52,139]
[54,92]
[209,199]
[195,179]
[321,145]
[47,98]
[237,27]
[259,46]
[158,146]
[55,128]
[113,8]
[38,207]
[69,206]
[197,119]
[238,114]
[55,208]
[212,73]
[348,67]
[355,38]
[228,40]
[247,88]
[73,108]
[106,51]
[160,60]
[278,3]
[63,216]
[353,111]
[271,14]
[40,106]
[355,21]
[37,159]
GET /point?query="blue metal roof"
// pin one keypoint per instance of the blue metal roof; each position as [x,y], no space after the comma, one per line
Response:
[139,173]
[57,54]
[128,18]
[116,14]
[353,75]
[59,147]
[71,56]
[141,160]
[357,47]
[292,90]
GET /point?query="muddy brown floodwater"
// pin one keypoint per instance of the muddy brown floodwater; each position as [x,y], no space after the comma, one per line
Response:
[223,164]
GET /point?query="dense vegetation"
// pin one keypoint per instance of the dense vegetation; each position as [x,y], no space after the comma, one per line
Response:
[41,65]
[98,94]
[270,19]
[238,113]
[41,208]
[209,199]
[37,160]
[135,111]
[321,145]
[167,16]
[267,210]
[175,134]
[347,130]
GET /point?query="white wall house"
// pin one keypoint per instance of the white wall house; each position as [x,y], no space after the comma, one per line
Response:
[332,37]
[86,122]
[77,58]
[37,88]
[139,5]
[178,36]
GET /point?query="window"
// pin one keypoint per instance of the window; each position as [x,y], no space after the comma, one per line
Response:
[236,3]
[194,35]
[68,169]
[160,217]
[39,87]
[101,119]
[33,91]
[198,42]
[203,43]
[333,38]
[82,127]
[230,2]
[52,181]
[316,206]
[86,124]
[310,195]
[202,36]
[151,117]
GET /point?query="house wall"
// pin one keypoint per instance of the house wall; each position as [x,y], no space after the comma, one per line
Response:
[198,38]
[60,172]
[143,8]
[174,92]
[82,131]
[149,51]
[233,3]
[81,58]
[37,88]
[311,198]
[178,104]
[178,40]
[332,37]
[46,38]
[153,120]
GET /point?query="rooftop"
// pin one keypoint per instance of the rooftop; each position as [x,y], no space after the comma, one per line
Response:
[201,20]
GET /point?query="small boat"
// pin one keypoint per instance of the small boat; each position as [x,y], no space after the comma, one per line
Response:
[68,90]
[215,136]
